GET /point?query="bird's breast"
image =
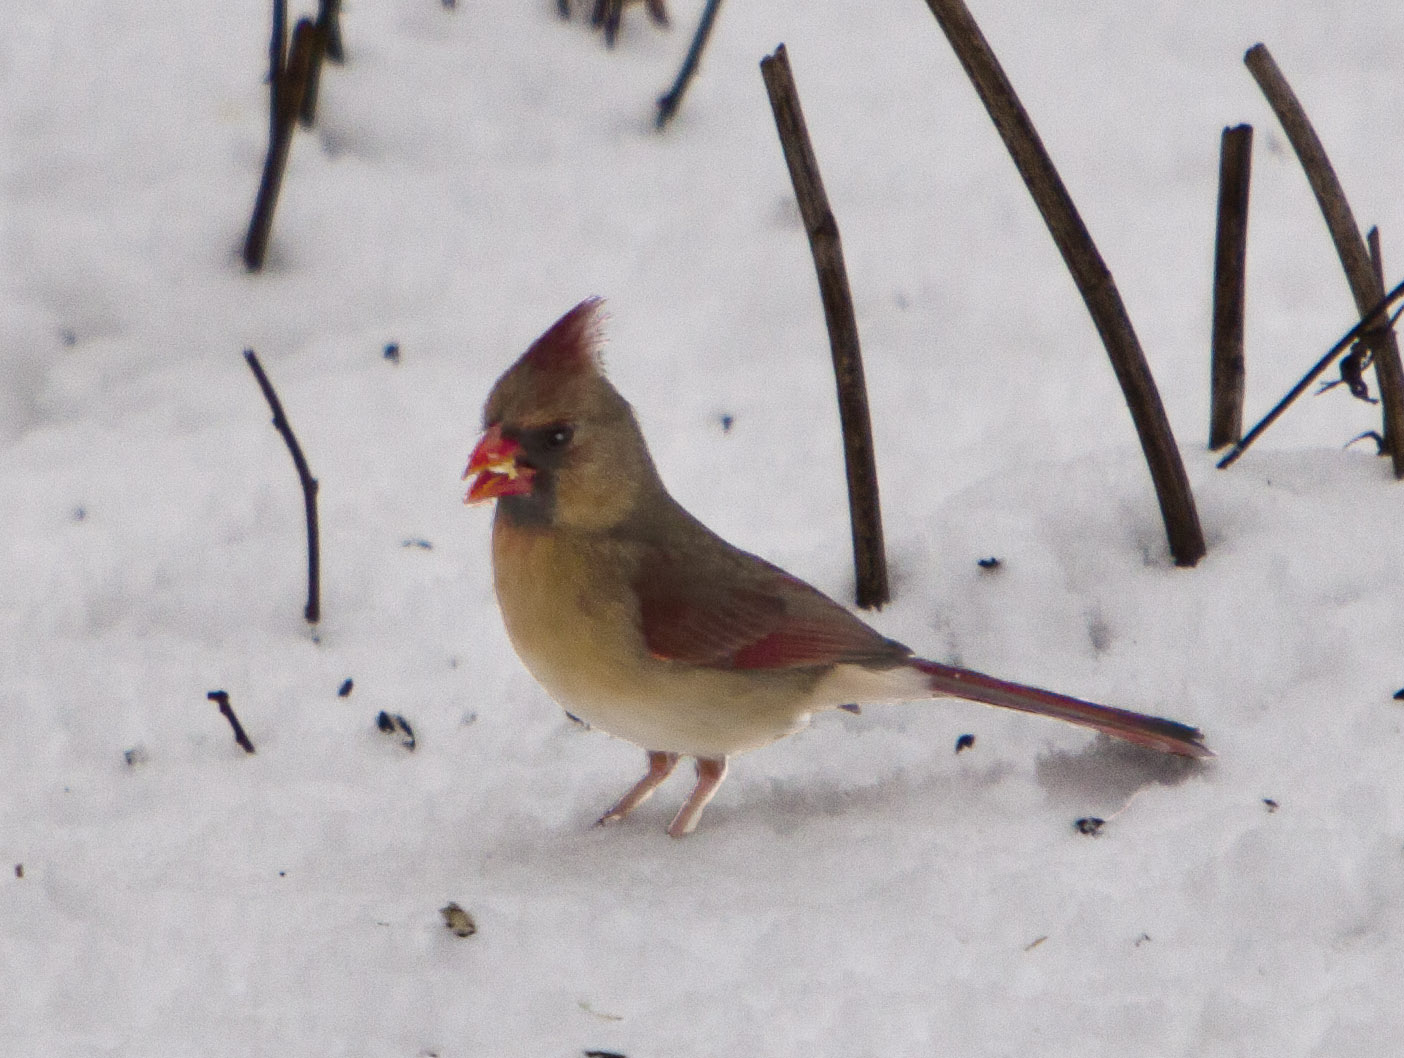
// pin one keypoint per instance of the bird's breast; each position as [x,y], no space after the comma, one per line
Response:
[565,614]
[570,610]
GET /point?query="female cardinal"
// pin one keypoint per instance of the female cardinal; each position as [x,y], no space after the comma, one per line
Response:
[639,619]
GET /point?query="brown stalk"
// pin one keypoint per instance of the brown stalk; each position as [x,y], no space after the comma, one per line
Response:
[1230,260]
[286,87]
[329,22]
[1366,286]
[1089,272]
[313,610]
[312,82]
[221,699]
[277,62]
[869,557]
[670,100]
[1372,242]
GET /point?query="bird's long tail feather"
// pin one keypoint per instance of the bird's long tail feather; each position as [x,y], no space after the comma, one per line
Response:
[1154,732]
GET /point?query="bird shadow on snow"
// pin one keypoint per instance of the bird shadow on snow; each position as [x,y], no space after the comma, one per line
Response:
[1100,778]
[1104,775]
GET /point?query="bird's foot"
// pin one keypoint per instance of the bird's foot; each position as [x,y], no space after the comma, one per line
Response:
[710,773]
[660,766]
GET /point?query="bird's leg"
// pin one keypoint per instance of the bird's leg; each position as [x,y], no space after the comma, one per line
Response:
[710,773]
[660,766]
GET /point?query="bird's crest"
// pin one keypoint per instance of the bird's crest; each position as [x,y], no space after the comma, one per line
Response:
[572,343]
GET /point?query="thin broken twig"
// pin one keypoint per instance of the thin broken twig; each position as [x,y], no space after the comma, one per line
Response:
[1367,321]
[669,102]
[313,611]
[221,698]
[869,556]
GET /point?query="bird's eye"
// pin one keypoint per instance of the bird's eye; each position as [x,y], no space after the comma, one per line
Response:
[559,436]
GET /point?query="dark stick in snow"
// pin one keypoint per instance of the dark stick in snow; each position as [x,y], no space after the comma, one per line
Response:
[313,612]
[312,83]
[1090,273]
[669,102]
[1365,286]
[286,91]
[869,557]
[277,61]
[1230,265]
[1369,320]
[221,698]
[329,22]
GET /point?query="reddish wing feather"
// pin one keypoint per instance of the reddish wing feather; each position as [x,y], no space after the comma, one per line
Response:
[703,631]
[772,621]
[798,643]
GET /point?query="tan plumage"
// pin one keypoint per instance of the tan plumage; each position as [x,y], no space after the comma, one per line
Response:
[640,620]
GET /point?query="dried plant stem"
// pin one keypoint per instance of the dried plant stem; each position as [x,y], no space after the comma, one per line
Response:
[311,87]
[1376,316]
[1365,286]
[669,102]
[287,84]
[277,63]
[221,698]
[869,557]
[329,22]
[1230,259]
[1089,272]
[313,610]
[1387,440]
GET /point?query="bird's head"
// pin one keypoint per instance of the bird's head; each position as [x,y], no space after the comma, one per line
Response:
[560,446]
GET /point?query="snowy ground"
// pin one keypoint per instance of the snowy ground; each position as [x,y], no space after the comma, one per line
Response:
[857,890]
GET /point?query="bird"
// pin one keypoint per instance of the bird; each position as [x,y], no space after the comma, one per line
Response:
[639,620]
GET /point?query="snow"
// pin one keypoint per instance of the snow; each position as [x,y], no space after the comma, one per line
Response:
[859,889]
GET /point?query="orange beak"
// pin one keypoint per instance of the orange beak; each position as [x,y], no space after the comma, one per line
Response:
[495,462]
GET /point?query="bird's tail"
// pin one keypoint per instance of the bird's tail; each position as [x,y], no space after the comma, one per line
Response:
[1154,732]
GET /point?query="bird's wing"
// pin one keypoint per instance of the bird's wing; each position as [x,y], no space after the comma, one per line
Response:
[737,611]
